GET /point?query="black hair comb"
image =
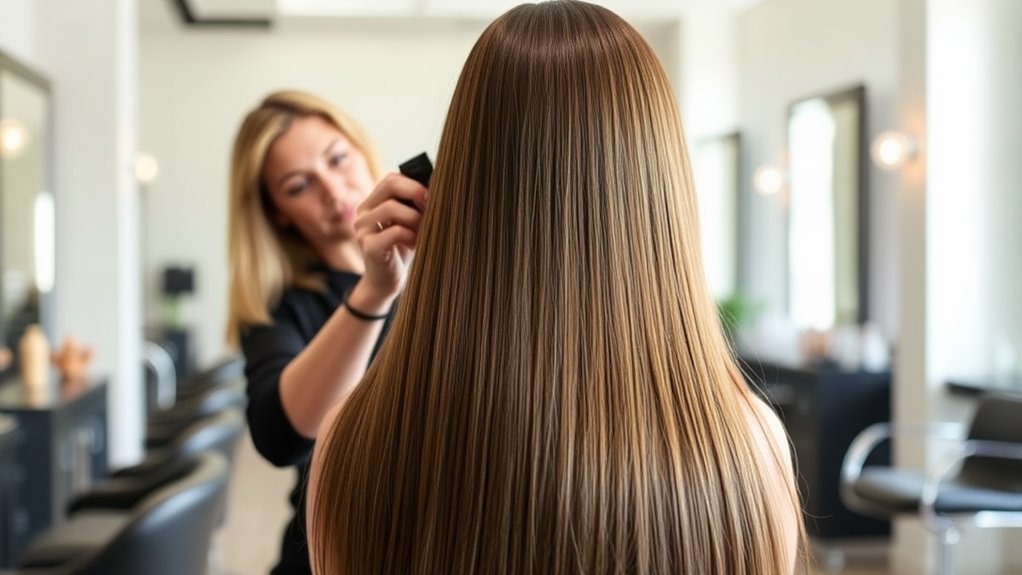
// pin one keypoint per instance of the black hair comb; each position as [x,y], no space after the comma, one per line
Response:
[418,168]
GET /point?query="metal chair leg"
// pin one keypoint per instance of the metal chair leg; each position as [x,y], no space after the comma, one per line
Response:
[215,559]
[945,541]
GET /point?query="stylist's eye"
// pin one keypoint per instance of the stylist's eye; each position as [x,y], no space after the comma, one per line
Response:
[337,159]
[296,189]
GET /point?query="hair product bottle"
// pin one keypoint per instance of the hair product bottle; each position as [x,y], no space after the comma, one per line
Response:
[34,359]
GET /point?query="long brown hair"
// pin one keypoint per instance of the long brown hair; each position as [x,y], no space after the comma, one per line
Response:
[556,394]
[263,258]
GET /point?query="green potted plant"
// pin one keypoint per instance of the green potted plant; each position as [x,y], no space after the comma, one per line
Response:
[737,310]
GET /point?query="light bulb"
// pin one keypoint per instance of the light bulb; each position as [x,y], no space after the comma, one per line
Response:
[891,149]
[768,180]
[13,137]
[146,168]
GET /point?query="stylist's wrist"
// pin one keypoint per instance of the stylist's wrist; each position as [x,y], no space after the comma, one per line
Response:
[368,300]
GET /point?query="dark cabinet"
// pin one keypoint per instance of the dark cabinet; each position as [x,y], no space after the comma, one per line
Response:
[823,408]
[8,494]
[60,450]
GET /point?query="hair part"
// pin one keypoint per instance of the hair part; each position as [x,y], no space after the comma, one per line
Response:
[265,258]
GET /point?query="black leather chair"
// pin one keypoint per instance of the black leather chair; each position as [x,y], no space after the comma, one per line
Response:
[166,533]
[164,426]
[979,481]
[165,387]
[126,487]
[226,370]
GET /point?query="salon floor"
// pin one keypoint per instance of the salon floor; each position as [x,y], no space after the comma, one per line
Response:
[258,510]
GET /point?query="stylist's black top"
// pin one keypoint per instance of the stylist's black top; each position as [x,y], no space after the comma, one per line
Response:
[268,350]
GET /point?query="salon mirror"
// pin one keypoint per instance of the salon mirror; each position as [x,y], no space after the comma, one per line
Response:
[716,165]
[26,203]
[827,210]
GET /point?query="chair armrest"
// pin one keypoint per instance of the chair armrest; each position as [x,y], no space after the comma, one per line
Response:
[68,545]
[159,360]
[125,491]
[867,441]
[949,462]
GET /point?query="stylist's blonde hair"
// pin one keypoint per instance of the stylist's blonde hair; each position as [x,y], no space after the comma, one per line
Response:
[556,395]
[265,258]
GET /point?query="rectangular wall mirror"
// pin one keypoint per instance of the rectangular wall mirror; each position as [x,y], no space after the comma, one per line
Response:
[716,168]
[26,203]
[827,210]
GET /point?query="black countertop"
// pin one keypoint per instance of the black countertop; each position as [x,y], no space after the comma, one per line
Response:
[977,388]
[15,397]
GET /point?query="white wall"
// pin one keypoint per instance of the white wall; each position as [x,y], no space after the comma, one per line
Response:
[17,28]
[974,274]
[1004,45]
[709,72]
[974,125]
[974,172]
[196,86]
[88,51]
[791,49]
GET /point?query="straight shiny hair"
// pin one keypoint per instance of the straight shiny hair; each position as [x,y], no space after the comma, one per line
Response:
[556,395]
[264,259]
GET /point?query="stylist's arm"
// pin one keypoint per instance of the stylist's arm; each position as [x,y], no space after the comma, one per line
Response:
[332,364]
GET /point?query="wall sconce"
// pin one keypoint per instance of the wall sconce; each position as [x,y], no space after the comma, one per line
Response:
[146,168]
[767,180]
[892,149]
[13,137]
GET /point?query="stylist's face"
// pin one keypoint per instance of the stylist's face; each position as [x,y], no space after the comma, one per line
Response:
[316,178]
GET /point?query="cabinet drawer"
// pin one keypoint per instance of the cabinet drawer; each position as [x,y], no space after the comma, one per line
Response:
[796,405]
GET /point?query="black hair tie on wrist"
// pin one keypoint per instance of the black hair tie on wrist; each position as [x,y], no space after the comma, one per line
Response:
[363,315]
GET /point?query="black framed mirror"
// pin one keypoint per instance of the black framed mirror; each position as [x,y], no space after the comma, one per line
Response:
[27,239]
[828,208]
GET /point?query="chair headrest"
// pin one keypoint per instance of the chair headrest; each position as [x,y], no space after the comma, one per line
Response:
[998,418]
[198,478]
[230,367]
[209,433]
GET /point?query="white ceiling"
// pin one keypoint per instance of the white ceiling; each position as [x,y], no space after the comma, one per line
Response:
[161,11]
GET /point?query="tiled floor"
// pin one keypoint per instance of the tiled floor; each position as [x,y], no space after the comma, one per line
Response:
[870,559]
[258,510]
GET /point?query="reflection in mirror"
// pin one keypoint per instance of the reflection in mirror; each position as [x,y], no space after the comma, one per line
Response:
[827,210]
[715,167]
[26,205]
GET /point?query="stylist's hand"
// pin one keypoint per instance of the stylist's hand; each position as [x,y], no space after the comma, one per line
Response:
[387,231]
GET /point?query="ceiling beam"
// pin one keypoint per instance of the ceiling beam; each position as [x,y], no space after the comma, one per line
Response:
[188,18]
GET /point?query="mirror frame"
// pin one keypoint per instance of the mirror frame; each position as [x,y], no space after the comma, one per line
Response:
[857,94]
[11,65]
